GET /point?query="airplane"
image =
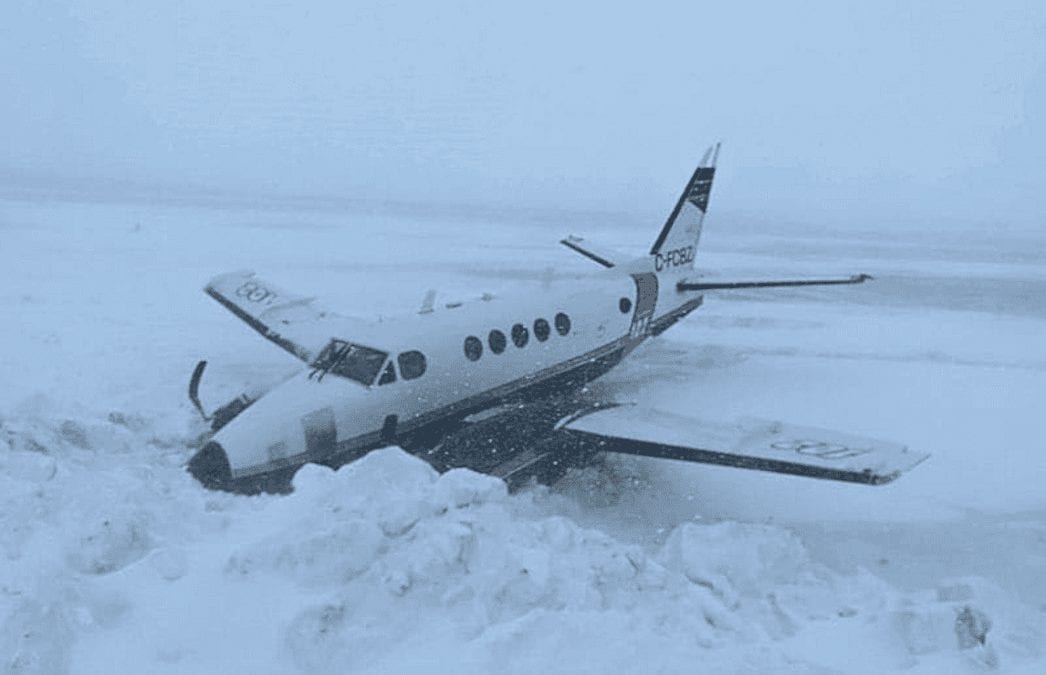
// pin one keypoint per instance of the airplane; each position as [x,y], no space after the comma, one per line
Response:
[499,384]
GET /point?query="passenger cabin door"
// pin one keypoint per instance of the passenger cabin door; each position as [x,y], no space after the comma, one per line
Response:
[646,302]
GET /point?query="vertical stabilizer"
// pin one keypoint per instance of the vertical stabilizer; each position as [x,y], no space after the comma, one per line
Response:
[677,242]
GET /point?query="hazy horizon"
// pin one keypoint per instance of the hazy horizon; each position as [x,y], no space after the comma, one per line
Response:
[843,115]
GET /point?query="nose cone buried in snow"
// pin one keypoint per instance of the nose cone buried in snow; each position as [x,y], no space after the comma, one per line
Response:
[211,467]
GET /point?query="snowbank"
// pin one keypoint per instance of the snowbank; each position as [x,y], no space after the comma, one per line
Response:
[115,560]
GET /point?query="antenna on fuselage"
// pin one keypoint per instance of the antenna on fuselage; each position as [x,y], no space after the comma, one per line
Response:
[429,302]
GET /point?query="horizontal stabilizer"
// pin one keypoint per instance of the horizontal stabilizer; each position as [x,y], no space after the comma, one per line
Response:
[748,444]
[291,321]
[770,283]
[603,256]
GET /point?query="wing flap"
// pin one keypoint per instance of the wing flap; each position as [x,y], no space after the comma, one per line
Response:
[748,443]
[291,321]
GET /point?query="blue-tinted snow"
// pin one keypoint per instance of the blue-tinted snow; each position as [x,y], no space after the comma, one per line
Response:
[337,146]
[115,557]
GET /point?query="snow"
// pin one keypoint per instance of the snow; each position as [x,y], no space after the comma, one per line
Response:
[115,560]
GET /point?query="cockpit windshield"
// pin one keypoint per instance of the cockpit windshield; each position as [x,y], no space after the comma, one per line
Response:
[356,362]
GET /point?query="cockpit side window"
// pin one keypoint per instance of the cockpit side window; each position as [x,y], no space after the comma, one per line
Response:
[355,362]
[389,376]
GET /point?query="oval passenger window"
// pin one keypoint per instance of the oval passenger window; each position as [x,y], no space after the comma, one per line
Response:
[541,330]
[412,364]
[562,323]
[520,336]
[625,305]
[473,348]
[497,341]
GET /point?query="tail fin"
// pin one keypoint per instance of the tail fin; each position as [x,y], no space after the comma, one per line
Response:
[677,242]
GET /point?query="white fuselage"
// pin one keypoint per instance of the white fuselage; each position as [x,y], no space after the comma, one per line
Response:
[606,316]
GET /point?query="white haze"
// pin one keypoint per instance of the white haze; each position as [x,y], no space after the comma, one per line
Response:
[842,115]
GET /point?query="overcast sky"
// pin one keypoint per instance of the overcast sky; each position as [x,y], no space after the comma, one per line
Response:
[830,112]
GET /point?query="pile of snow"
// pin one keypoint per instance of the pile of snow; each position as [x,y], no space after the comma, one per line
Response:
[115,560]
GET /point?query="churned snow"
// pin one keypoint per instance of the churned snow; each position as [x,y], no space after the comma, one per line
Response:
[115,560]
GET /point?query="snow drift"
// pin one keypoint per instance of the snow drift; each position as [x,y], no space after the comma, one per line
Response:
[115,560]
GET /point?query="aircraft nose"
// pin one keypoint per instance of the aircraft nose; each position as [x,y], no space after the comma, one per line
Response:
[211,467]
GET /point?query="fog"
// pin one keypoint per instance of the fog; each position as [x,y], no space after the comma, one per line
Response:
[360,153]
[837,115]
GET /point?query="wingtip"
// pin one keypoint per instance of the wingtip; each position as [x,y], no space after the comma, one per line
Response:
[241,274]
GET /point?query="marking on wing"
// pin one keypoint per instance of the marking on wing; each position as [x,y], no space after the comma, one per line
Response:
[253,291]
[822,449]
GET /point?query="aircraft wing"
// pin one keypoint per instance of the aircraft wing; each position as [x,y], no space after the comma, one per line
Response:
[294,322]
[749,444]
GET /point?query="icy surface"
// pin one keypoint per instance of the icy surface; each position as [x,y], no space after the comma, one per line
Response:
[112,559]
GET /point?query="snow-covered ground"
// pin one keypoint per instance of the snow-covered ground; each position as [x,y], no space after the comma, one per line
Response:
[115,560]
